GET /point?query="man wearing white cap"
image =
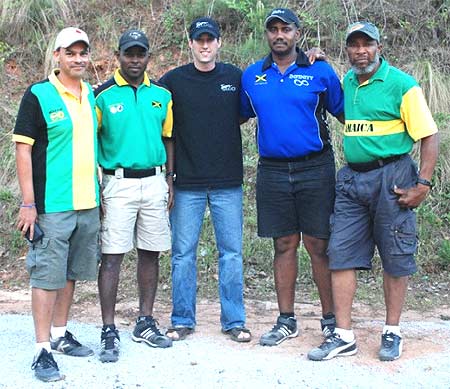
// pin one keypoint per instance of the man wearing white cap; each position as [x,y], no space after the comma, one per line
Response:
[56,154]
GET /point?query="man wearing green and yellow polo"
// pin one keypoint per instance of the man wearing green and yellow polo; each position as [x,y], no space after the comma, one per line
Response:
[135,121]
[56,154]
[378,189]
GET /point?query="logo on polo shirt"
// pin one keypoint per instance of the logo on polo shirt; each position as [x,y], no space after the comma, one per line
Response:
[116,108]
[227,88]
[156,104]
[356,127]
[56,115]
[301,79]
[260,79]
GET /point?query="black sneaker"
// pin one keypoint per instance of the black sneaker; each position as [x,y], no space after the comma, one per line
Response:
[328,326]
[147,332]
[285,328]
[45,367]
[68,345]
[391,347]
[333,346]
[110,345]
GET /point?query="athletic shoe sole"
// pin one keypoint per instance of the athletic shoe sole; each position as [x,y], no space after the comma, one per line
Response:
[146,341]
[108,358]
[56,351]
[52,378]
[293,335]
[343,351]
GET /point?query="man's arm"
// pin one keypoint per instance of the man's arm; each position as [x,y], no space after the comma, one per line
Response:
[412,197]
[27,212]
[341,118]
[168,144]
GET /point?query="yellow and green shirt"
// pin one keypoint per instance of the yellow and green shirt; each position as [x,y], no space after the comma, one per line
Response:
[62,130]
[132,122]
[384,116]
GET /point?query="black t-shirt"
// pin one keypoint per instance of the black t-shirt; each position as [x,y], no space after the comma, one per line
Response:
[208,146]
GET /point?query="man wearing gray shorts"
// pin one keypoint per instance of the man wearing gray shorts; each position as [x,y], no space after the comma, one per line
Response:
[376,192]
[56,154]
[134,141]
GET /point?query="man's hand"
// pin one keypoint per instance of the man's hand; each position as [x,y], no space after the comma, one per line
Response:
[412,197]
[170,202]
[315,54]
[27,218]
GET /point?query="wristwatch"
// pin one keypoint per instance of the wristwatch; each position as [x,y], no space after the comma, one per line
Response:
[171,174]
[425,182]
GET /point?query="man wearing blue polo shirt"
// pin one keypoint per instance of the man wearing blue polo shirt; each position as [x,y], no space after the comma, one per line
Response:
[296,173]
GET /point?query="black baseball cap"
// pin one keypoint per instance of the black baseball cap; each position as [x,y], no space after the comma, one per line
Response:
[132,38]
[284,14]
[204,25]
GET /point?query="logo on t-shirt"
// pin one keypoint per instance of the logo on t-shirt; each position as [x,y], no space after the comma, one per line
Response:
[260,79]
[116,108]
[227,88]
[56,115]
[301,79]
[156,104]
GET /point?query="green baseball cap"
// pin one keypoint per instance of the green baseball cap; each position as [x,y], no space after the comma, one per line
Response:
[364,27]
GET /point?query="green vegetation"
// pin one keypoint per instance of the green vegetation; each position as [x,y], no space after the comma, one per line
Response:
[416,38]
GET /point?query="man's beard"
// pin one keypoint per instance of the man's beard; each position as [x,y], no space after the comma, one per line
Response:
[369,68]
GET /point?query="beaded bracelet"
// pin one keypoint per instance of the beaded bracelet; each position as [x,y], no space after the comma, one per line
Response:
[31,205]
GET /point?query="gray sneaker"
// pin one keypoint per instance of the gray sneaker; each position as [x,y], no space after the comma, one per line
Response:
[45,367]
[68,345]
[147,332]
[285,328]
[391,347]
[110,345]
[333,346]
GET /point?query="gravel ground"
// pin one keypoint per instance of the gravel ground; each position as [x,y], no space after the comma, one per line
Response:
[216,362]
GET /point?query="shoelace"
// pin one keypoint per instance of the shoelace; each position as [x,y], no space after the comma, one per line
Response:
[110,341]
[45,360]
[71,339]
[330,339]
[152,325]
[388,340]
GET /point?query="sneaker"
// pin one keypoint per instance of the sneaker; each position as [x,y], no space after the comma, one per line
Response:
[285,328]
[45,367]
[333,346]
[328,326]
[68,345]
[147,332]
[391,347]
[110,345]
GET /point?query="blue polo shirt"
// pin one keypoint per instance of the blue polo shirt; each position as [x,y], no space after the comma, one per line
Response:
[291,108]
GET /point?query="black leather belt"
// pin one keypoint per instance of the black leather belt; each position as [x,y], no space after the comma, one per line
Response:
[372,165]
[299,159]
[132,173]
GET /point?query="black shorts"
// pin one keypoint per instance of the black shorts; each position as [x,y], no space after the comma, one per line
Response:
[295,197]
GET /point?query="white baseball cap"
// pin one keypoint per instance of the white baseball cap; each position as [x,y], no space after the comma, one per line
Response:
[68,36]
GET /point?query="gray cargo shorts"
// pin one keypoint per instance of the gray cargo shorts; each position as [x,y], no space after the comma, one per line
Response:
[68,251]
[366,214]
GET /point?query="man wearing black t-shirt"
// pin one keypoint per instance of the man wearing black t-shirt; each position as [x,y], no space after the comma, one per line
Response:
[208,167]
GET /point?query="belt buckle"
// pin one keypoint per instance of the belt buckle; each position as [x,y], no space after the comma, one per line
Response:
[118,173]
[157,170]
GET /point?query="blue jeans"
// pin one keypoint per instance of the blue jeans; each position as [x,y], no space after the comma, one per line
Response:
[186,219]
